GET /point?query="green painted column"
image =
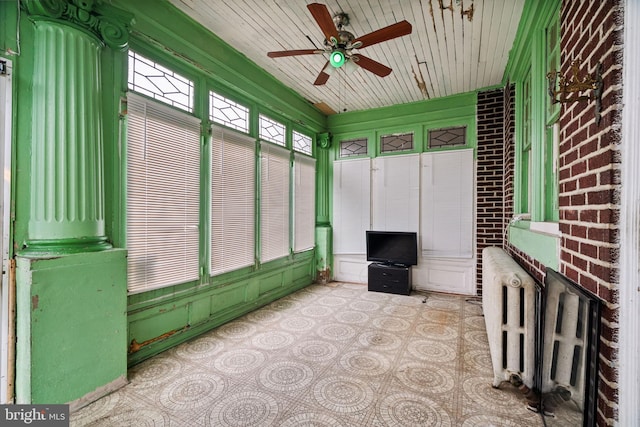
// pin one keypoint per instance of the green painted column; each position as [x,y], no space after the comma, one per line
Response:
[324,232]
[66,182]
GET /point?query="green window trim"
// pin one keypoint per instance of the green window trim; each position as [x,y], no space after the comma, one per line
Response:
[536,192]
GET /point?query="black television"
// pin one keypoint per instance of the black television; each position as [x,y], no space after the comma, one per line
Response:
[392,247]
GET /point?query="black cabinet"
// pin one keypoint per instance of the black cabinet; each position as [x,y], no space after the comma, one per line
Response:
[394,279]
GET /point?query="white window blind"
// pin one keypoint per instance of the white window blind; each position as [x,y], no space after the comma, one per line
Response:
[396,193]
[304,202]
[447,203]
[232,201]
[163,163]
[351,205]
[274,194]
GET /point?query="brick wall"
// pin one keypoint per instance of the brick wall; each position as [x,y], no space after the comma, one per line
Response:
[490,174]
[589,174]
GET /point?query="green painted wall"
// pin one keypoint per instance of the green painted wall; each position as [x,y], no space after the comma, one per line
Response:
[71,315]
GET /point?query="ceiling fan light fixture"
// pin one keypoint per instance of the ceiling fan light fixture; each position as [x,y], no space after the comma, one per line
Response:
[350,66]
[336,59]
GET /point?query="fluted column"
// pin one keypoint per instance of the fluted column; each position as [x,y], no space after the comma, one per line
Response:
[324,232]
[67,181]
[323,191]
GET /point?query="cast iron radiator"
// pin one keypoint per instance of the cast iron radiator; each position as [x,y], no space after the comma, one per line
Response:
[509,307]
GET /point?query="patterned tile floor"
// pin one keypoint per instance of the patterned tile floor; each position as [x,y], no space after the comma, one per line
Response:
[334,355]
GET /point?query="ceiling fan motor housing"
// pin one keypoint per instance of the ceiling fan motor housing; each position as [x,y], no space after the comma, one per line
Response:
[341,20]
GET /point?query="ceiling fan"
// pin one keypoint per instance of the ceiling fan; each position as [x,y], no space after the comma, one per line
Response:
[339,44]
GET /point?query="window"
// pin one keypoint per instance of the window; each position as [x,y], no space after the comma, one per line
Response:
[152,79]
[552,134]
[537,134]
[232,201]
[449,137]
[353,147]
[274,206]
[351,205]
[396,142]
[302,143]
[163,193]
[304,202]
[525,150]
[447,185]
[228,113]
[272,131]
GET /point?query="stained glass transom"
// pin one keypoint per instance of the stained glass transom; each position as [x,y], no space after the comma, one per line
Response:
[228,113]
[353,147]
[302,142]
[448,137]
[272,131]
[152,79]
[397,142]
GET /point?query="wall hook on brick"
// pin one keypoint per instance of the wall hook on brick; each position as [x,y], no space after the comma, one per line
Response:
[574,88]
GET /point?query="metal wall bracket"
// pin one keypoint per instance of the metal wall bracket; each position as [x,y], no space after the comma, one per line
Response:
[573,89]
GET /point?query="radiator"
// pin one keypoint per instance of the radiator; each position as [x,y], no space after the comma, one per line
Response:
[565,350]
[508,305]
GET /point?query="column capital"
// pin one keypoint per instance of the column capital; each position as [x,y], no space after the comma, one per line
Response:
[107,23]
[324,140]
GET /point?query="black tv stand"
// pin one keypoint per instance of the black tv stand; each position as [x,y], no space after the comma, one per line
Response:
[390,278]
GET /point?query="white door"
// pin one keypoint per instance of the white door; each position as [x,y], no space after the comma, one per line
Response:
[6,294]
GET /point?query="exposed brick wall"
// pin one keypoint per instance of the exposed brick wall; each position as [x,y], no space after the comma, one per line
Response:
[589,178]
[490,175]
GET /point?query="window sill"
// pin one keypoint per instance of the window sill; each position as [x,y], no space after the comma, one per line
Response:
[549,228]
[539,240]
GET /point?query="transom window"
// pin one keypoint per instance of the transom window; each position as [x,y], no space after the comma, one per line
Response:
[302,142]
[353,147]
[448,137]
[229,113]
[152,79]
[396,142]
[272,131]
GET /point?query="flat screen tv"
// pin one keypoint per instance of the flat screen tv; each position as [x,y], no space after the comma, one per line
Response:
[392,247]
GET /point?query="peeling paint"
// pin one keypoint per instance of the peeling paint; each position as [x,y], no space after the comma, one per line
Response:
[136,346]
[419,78]
[468,13]
[324,276]
[35,299]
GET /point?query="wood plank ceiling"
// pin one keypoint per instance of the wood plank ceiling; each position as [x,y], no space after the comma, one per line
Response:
[456,46]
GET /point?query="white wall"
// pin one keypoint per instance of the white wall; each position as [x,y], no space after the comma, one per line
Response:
[430,193]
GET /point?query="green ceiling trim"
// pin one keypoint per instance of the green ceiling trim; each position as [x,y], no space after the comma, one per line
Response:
[404,115]
[534,17]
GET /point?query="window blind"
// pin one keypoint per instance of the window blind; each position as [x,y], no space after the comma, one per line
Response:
[304,202]
[351,205]
[274,195]
[447,188]
[163,163]
[232,201]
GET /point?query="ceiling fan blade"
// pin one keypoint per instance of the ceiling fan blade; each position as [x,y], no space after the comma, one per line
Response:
[370,65]
[282,53]
[322,77]
[398,29]
[322,16]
